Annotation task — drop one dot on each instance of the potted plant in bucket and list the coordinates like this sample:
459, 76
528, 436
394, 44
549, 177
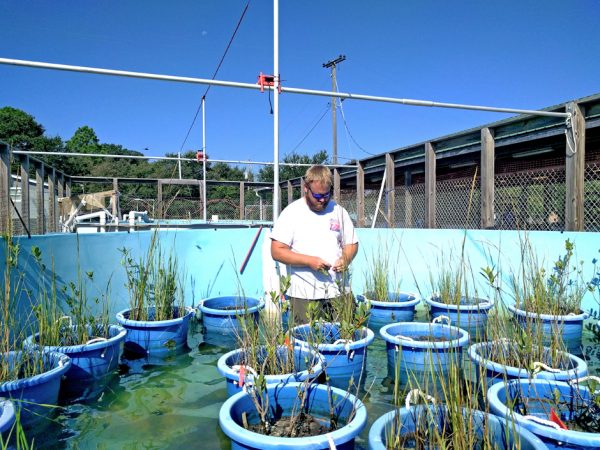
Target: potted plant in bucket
455, 295
343, 340
29, 378
388, 304
547, 303
293, 415
157, 319
449, 416
267, 352
565, 415
67, 324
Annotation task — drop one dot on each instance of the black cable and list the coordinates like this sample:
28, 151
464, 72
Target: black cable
20, 218
215, 73
313, 127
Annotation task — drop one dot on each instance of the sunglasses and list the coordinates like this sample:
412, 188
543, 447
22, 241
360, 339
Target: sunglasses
319, 196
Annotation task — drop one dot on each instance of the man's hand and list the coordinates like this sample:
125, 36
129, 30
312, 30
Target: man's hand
318, 264
340, 265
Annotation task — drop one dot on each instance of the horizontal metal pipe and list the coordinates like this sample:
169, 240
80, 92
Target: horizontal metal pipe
343, 95
169, 158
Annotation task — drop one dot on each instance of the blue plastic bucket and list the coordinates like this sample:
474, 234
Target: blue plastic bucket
570, 328
344, 361
515, 391
156, 337
92, 364
282, 398
220, 315
495, 372
501, 434
471, 315
413, 349
400, 307
35, 397
307, 364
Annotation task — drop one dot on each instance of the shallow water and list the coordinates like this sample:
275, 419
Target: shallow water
174, 403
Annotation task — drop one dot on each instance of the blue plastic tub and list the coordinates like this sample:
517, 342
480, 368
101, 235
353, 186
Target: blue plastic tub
37, 396
345, 362
410, 354
307, 364
92, 365
471, 315
570, 328
500, 434
282, 398
400, 307
220, 315
156, 337
494, 371
571, 399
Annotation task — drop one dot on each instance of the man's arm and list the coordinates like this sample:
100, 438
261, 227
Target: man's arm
349, 251
282, 253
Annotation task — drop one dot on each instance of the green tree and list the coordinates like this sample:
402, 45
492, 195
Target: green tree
291, 172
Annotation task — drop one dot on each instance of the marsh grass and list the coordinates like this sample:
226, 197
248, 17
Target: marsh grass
453, 280
67, 315
16, 438
380, 276
155, 283
12, 331
444, 409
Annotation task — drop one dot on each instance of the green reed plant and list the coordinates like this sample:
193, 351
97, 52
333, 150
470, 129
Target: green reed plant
448, 418
68, 315
155, 283
453, 280
267, 347
380, 277
12, 323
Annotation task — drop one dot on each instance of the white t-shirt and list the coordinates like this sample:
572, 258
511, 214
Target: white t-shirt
321, 234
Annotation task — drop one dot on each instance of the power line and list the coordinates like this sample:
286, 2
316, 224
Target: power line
348, 130
215, 73
312, 129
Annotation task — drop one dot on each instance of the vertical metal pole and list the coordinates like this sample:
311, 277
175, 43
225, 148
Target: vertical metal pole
203, 161
179, 163
276, 110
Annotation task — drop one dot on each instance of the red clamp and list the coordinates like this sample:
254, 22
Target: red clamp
200, 156
267, 80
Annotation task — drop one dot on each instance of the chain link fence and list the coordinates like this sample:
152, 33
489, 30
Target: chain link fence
591, 197
530, 200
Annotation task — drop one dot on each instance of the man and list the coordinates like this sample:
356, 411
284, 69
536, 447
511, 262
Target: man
315, 238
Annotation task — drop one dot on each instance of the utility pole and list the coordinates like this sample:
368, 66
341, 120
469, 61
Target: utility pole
332, 64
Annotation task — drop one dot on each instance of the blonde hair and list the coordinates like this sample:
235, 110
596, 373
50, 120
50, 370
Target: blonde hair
318, 173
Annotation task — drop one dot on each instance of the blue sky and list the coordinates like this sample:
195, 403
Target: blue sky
511, 53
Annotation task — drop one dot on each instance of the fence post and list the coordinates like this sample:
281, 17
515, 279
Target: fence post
116, 207
390, 184
52, 219
360, 194
5, 212
159, 200
290, 192
430, 200
25, 211
574, 169
242, 201
487, 178
40, 200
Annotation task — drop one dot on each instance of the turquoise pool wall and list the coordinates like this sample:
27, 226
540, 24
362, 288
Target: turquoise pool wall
213, 257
